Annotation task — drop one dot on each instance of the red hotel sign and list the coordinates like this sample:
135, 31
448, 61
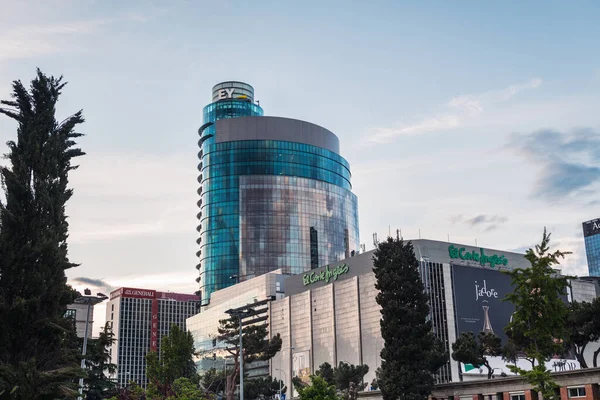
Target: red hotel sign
154, 326
139, 293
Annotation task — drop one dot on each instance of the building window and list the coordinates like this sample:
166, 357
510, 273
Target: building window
517, 396
71, 313
314, 248
575, 392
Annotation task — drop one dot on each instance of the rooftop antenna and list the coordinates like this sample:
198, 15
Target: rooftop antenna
419, 234
475, 242
400, 230
375, 241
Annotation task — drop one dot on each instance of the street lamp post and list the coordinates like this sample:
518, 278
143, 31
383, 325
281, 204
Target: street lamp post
280, 381
241, 313
90, 301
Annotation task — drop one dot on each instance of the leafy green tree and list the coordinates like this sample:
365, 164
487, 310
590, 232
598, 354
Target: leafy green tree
411, 354
131, 392
319, 389
471, 350
584, 327
257, 347
176, 361
184, 389
39, 355
262, 388
98, 385
540, 317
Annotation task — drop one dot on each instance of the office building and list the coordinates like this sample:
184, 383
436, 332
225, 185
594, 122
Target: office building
139, 319
591, 236
275, 193
331, 315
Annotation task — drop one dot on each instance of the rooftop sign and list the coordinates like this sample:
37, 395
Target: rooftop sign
135, 293
480, 257
591, 228
325, 275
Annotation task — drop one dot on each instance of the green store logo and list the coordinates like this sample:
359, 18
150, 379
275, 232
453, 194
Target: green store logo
480, 257
325, 275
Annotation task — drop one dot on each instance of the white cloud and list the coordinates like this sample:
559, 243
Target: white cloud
474, 104
463, 108
119, 195
26, 41
382, 135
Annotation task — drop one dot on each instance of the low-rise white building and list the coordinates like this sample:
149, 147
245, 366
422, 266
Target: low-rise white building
204, 326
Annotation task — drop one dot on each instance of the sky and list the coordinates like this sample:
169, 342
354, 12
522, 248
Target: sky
473, 121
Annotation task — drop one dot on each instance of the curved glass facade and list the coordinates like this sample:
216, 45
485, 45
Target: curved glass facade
268, 204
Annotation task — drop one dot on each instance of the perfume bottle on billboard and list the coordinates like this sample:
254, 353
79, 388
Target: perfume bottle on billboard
487, 324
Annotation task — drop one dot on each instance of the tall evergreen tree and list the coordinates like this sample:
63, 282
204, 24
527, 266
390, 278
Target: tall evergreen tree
539, 323
411, 354
98, 384
38, 356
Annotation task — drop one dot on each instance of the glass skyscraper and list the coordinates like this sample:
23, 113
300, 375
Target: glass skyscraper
274, 193
591, 236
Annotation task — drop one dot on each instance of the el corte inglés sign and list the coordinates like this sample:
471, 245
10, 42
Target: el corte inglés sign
480, 257
325, 275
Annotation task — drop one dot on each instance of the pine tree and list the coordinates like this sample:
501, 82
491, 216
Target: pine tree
584, 328
98, 384
470, 350
38, 353
257, 347
411, 354
538, 326
262, 388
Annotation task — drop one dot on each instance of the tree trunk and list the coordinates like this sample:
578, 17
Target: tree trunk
596, 357
579, 355
231, 381
490, 370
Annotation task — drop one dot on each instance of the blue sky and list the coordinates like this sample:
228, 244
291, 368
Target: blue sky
477, 120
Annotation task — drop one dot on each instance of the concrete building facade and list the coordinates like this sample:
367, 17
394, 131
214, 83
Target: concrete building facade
331, 315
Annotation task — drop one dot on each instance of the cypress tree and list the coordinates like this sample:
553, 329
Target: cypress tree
38, 346
411, 354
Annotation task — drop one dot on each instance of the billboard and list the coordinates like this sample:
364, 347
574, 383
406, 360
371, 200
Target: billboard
479, 300
479, 306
